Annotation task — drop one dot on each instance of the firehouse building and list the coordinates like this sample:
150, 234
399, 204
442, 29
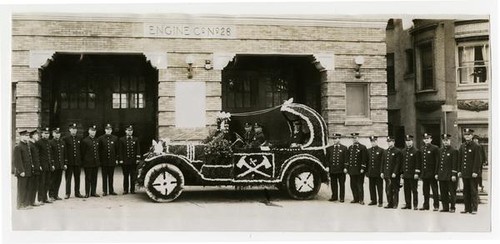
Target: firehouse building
169, 75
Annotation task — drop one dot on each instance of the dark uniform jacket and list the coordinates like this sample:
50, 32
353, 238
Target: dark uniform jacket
374, 161
22, 160
90, 152
337, 156
73, 150
358, 158
392, 162
469, 155
429, 156
35, 155
258, 140
108, 150
129, 150
410, 162
45, 154
248, 137
58, 153
448, 163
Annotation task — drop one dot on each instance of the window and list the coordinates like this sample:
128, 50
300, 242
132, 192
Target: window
276, 91
391, 86
78, 94
128, 92
409, 61
473, 64
426, 67
357, 100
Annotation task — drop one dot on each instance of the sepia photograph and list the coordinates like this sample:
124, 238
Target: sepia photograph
154, 117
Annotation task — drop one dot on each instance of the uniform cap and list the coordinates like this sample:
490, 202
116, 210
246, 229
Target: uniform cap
108, 126
247, 125
426, 135
23, 132
390, 138
336, 135
46, 130
33, 132
408, 137
257, 125
93, 127
445, 136
72, 125
468, 131
57, 130
355, 134
129, 127
373, 138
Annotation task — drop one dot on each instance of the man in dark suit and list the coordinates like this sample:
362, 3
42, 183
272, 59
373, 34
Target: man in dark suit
108, 144
46, 162
22, 167
356, 166
429, 156
391, 171
337, 156
129, 155
297, 134
446, 174
469, 156
410, 177
484, 160
248, 136
59, 162
74, 158
258, 139
373, 172
90, 161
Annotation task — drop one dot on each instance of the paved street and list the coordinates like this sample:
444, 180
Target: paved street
225, 209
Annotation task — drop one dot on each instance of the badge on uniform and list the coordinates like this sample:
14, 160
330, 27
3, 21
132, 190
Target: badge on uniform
470, 150
411, 154
428, 151
133, 142
392, 154
112, 142
447, 154
377, 153
339, 150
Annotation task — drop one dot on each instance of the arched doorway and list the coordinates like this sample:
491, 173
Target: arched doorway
256, 82
119, 89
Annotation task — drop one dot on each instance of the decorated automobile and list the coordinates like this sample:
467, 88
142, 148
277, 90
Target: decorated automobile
297, 168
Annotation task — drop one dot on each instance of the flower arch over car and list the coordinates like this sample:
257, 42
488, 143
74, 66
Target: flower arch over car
299, 171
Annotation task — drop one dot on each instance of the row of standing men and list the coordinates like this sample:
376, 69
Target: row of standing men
39, 163
434, 166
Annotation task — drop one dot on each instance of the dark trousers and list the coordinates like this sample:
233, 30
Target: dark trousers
107, 173
130, 173
72, 171
90, 180
55, 183
33, 188
42, 185
376, 188
448, 193
47, 183
23, 191
429, 184
470, 194
357, 182
337, 186
392, 191
410, 188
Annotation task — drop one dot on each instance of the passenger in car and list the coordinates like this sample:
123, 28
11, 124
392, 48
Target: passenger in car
248, 136
297, 134
258, 139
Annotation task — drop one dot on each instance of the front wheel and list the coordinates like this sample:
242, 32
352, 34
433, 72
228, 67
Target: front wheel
302, 182
164, 182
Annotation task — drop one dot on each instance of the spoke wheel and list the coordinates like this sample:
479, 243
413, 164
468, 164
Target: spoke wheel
164, 182
302, 182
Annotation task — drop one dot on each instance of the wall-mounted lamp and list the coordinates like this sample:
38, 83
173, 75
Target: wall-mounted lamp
189, 62
208, 64
359, 60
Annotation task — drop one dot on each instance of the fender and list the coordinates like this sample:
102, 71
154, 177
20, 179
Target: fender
300, 158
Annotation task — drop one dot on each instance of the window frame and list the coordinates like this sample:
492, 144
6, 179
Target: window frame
487, 65
419, 71
367, 115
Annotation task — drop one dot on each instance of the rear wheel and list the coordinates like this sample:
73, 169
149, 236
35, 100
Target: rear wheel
302, 182
164, 182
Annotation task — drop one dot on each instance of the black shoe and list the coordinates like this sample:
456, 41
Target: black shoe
95, 195
452, 210
104, 194
362, 202
388, 206
67, 196
354, 201
406, 207
435, 209
444, 210
380, 205
86, 196
341, 200
415, 208
372, 203
47, 201
332, 199
423, 209
125, 192
464, 212
132, 192
79, 196
58, 198
113, 193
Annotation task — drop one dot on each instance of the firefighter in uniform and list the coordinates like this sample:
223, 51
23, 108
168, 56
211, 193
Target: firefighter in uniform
469, 156
410, 177
337, 156
59, 159
356, 165
22, 167
391, 171
446, 174
46, 161
373, 172
90, 161
484, 158
297, 134
129, 155
108, 144
429, 156
37, 169
74, 158
248, 136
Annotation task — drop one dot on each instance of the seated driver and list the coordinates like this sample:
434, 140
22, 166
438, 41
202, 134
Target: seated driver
297, 134
258, 139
